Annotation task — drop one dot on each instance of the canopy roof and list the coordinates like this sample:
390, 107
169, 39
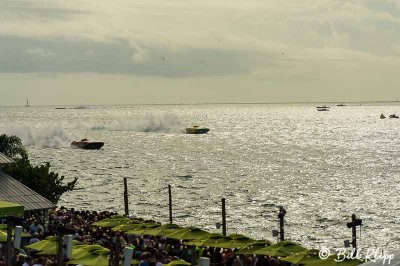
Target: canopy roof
14, 191
4, 159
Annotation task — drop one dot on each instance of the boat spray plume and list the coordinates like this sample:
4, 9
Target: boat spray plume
164, 124
46, 136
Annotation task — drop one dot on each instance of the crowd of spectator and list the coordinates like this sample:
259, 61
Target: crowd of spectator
148, 250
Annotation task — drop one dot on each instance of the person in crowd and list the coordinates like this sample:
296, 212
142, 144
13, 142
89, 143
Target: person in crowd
35, 227
28, 261
34, 239
229, 257
38, 262
14, 258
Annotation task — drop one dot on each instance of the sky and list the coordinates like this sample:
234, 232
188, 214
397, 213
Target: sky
58, 52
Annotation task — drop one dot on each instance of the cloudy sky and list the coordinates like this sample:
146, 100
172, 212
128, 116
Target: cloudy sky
187, 51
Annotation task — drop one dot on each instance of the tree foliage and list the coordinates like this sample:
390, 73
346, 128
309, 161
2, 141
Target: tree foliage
39, 178
11, 146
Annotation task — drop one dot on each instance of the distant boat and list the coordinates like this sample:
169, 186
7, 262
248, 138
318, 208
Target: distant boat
81, 107
197, 130
393, 116
60, 108
341, 104
323, 108
27, 103
383, 116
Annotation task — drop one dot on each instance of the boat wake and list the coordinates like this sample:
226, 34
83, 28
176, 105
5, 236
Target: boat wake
164, 124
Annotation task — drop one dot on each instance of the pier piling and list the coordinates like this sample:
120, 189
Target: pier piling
223, 217
281, 216
126, 201
170, 203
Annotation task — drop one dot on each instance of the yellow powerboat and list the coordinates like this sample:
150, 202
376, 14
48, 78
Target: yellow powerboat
197, 130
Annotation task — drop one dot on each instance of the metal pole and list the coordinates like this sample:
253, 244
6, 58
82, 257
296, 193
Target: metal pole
223, 217
126, 202
281, 216
9, 244
354, 233
170, 203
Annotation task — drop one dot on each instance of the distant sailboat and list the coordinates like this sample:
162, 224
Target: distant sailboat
27, 103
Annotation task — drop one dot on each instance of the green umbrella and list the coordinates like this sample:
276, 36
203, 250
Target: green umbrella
47, 243
96, 255
3, 228
211, 239
331, 262
281, 249
113, 221
77, 250
96, 249
132, 225
178, 263
227, 242
163, 230
91, 259
232, 241
3, 235
250, 249
220, 243
10, 208
240, 240
141, 230
308, 256
188, 233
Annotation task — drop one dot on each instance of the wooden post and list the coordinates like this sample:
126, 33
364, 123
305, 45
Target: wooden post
281, 216
117, 249
353, 225
60, 250
126, 202
170, 203
223, 217
354, 233
193, 261
9, 253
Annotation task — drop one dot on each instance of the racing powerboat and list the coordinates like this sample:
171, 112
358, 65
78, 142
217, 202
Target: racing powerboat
87, 145
197, 130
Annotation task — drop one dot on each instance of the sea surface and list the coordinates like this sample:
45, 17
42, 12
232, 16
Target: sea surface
321, 166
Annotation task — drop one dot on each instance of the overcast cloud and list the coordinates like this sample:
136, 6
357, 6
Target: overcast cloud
154, 51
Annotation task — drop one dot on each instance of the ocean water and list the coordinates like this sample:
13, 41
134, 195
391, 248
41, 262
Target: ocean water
321, 166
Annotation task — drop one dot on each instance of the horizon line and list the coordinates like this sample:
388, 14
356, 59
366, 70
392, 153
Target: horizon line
206, 103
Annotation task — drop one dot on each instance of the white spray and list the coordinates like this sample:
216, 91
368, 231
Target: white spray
47, 136
164, 123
